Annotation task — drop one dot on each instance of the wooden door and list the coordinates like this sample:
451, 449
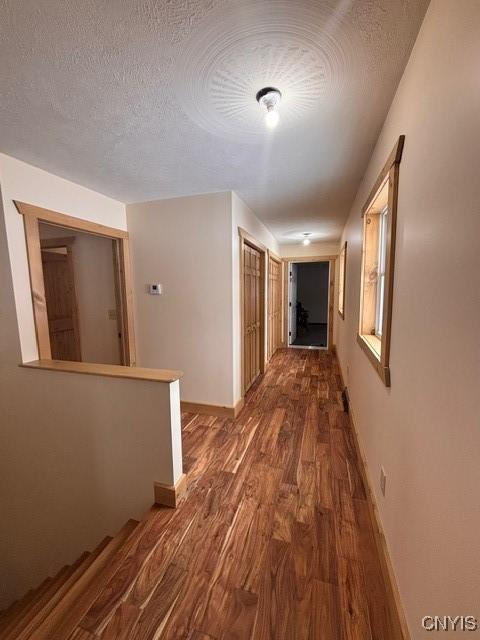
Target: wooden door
61, 302
274, 306
252, 324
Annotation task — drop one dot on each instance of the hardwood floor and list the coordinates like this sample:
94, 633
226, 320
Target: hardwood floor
273, 540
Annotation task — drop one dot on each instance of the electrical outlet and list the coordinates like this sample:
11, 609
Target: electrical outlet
383, 481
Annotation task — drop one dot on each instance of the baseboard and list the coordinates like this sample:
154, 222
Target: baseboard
388, 572
170, 496
212, 409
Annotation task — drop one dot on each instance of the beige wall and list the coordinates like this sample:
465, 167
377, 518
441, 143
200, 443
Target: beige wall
184, 244
425, 429
95, 292
78, 454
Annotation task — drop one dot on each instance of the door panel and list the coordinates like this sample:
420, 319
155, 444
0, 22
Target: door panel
252, 317
274, 306
61, 304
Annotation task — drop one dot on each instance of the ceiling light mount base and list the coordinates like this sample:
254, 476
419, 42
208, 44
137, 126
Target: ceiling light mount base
269, 97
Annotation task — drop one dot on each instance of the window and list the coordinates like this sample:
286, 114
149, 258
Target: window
382, 250
378, 254
342, 280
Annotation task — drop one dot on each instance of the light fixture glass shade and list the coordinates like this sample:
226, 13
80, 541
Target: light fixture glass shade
306, 241
271, 119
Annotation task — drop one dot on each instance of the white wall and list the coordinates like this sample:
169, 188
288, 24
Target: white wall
95, 292
185, 244
242, 216
78, 454
314, 249
425, 430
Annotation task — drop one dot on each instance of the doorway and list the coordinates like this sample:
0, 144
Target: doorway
80, 294
61, 299
310, 298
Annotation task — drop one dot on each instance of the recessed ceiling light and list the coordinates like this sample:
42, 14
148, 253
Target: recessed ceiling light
269, 98
306, 238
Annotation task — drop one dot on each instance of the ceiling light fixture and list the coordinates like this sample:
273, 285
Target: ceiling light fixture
269, 98
306, 238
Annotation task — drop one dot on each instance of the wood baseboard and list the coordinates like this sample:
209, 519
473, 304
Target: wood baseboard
212, 409
388, 571
170, 496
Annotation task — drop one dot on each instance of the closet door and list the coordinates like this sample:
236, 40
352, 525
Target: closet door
251, 315
274, 306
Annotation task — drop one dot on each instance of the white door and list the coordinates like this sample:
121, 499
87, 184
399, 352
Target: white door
292, 325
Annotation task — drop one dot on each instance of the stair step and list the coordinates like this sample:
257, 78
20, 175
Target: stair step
16, 609
63, 618
126, 567
22, 608
61, 585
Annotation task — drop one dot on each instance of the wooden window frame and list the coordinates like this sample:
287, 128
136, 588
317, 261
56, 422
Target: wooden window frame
32, 216
378, 349
342, 280
246, 238
331, 292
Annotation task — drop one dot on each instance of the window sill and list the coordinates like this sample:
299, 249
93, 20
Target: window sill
374, 344
372, 347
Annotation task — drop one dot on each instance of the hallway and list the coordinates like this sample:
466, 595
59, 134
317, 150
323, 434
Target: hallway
274, 538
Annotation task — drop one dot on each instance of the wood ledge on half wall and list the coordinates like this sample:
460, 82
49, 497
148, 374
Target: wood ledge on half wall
108, 370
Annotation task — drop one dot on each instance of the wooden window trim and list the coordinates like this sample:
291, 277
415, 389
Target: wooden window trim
247, 238
390, 174
32, 216
331, 293
342, 257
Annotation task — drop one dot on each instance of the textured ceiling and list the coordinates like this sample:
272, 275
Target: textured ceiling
142, 99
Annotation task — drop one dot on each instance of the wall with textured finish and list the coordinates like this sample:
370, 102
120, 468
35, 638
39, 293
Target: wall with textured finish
424, 430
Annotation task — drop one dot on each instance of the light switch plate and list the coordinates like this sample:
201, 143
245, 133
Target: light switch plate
155, 289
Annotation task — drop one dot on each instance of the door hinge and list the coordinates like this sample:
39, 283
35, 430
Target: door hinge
289, 333
289, 304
